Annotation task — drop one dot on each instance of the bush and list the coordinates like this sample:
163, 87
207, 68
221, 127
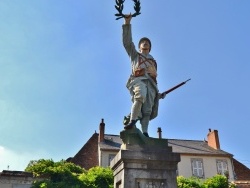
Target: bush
63, 174
98, 177
60, 174
193, 182
218, 181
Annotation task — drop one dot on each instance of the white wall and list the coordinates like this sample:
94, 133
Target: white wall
209, 166
105, 157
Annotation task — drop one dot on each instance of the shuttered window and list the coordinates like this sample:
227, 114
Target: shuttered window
222, 167
197, 168
111, 157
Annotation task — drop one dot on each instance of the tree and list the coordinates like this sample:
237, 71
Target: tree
98, 177
60, 174
63, 174
193, 182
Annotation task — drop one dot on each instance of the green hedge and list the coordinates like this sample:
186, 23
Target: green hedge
218, 181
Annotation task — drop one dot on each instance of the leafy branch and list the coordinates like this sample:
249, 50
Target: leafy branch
119, 8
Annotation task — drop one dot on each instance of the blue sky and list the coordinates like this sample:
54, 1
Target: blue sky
63, 68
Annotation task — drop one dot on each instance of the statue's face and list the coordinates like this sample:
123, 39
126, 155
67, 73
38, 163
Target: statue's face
144, 45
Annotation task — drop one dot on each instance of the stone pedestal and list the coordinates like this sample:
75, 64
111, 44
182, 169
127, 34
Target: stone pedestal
144, 162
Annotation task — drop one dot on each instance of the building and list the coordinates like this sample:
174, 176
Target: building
242, 174
200, 158
203, 158
16, 179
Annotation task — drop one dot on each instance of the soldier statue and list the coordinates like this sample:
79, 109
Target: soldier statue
142, 83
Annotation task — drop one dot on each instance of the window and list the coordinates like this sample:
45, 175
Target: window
222, 167
197, 168
111, 157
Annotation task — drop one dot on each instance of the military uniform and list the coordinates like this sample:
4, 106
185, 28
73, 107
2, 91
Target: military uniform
142, 83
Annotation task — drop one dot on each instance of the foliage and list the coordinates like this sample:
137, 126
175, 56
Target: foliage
193, 182
60, 174
218, 181
232, 185
98, 177
63, 174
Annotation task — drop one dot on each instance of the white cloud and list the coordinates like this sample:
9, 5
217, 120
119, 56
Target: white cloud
18, 161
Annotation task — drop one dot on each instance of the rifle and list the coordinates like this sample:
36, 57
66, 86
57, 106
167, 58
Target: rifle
175, 87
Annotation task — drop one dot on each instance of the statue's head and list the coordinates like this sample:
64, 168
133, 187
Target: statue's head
144, 43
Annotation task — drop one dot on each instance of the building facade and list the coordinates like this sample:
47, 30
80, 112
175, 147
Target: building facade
199, 158
16, 179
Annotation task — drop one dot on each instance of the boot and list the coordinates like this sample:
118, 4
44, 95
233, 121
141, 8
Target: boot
126, 120
130, 125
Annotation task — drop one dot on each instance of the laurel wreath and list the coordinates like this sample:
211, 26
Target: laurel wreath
119, 8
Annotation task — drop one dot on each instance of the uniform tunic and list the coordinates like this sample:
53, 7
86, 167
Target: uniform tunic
142, 82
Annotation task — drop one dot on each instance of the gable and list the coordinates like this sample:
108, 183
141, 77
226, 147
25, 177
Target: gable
87, 156
241, 171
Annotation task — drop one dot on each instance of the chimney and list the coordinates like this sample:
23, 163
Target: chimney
101, 131
213, 139
159, 132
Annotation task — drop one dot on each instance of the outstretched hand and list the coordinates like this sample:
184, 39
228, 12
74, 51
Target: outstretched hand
127, 18
162, 95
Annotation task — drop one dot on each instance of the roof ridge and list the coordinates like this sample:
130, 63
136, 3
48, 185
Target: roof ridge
166, 138
185, 139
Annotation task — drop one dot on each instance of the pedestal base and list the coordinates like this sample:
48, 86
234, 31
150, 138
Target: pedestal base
146, 164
